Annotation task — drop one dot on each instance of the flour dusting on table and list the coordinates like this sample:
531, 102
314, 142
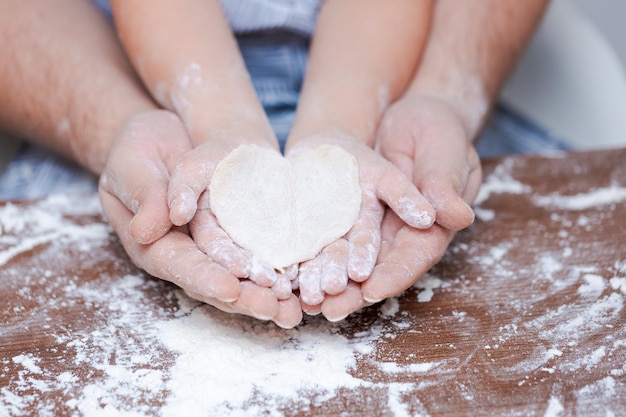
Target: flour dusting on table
551, 326
228, 360
141, 359
594, 198
500, 182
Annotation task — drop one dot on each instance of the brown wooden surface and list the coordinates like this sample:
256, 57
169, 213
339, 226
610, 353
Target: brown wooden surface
526, 315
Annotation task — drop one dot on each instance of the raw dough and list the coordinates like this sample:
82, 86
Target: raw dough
285, 210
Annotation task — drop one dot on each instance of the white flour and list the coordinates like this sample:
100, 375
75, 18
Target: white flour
595, 198
230, 360
427, 284
555, 408
220, 364
500, 182
150, 351
143, 360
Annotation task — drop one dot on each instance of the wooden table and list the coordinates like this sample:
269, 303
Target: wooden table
524, 316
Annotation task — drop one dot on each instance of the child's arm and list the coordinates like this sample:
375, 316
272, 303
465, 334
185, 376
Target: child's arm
188, 59
362, 57
187, 56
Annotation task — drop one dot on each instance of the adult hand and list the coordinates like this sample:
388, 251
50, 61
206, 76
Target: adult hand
426, 139
355, 256
133, 191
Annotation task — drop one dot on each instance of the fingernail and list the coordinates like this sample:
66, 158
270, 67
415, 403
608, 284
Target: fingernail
312, 299
184, 204
372, 297
420, 219
372, 300
262, 273
336, 319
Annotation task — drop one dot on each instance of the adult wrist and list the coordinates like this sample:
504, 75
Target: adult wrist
464, 93
91, 132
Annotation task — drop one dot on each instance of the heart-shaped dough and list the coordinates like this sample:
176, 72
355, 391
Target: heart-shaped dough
285, 210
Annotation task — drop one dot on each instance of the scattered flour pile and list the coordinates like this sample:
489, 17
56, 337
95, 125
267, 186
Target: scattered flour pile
202, 362
144, 360
224, 361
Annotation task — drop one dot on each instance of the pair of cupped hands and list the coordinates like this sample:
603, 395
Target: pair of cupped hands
416, 186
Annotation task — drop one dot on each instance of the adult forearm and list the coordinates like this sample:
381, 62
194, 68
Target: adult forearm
472, 47
64, 81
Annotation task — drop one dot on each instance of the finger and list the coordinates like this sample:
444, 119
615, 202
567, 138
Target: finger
445, 179
253, 301
151, 222
145, 199
390, 226
289, 313
227, 307
474, 180
310, 281
138, 175
311, 310
452, 211
213, 240
364, 239
338, 307
442, 165
282, 287
291, 273
262, 273
175, 257
412, 253
191, 178
334, 261
403, 197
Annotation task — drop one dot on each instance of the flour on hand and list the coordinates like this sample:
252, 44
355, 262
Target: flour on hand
285, 210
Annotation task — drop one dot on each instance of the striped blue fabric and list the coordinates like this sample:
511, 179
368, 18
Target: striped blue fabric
36, 172
246, 16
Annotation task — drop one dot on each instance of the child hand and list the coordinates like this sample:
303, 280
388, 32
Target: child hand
355, 257
216, 243
188, 201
